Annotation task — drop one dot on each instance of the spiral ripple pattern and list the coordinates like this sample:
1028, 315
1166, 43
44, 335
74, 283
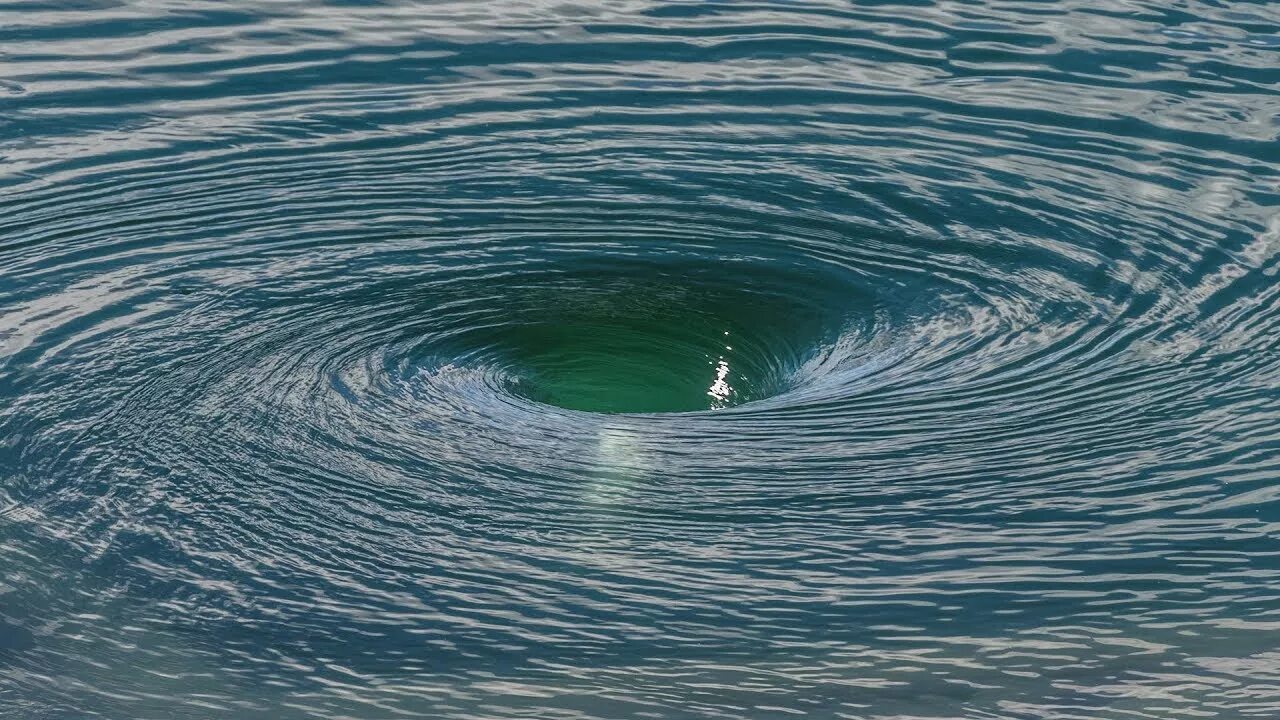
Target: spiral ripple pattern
639, 359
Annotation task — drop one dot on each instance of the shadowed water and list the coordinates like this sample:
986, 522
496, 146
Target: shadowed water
866, 360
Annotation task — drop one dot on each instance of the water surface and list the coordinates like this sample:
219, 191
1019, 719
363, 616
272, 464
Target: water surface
638, 359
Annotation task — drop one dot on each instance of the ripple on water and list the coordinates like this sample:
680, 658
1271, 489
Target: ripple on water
638, 359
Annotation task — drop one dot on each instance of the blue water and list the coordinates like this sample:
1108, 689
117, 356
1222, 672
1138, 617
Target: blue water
639, 359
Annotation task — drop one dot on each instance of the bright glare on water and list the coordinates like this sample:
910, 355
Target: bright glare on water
899, 359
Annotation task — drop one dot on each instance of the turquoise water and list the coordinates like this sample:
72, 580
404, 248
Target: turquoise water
371, 360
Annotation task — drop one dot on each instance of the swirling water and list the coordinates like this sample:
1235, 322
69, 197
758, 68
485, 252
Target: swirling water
639, 359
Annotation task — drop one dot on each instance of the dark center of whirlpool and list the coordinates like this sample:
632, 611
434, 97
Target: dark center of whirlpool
654, 338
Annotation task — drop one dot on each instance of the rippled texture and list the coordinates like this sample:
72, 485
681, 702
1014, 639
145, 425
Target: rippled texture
369, 360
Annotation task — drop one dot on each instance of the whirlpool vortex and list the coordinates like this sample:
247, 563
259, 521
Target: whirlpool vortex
639, 359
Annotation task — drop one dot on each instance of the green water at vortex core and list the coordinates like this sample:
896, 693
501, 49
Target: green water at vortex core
624, 368
640, 338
